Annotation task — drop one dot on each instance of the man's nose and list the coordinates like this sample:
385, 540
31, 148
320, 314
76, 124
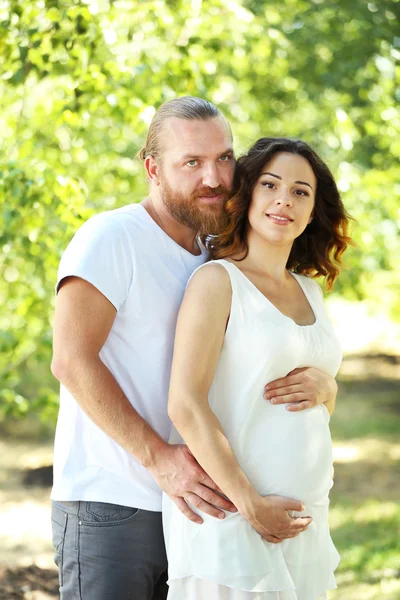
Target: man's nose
211, 175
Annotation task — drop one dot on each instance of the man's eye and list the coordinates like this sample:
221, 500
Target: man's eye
225, 158
191, 163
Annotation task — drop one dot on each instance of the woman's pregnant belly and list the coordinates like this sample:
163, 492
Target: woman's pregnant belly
289, 454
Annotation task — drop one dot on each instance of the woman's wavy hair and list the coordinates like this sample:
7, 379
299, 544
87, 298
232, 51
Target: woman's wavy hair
318, 250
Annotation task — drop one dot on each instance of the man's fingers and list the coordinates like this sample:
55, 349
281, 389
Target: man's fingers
298, 370
298, 396
278, 383
206, 488
282, 382
206, 480
283, 391
200, 504
183, 507
199, 472
211, 497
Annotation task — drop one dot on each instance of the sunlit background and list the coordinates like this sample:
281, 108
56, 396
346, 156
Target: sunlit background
79, 83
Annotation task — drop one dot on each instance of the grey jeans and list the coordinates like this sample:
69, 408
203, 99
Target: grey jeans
108, 552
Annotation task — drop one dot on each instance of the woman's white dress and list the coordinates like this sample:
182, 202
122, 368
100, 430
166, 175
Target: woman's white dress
284, 453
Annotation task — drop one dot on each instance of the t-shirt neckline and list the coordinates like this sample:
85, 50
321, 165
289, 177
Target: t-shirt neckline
203, 251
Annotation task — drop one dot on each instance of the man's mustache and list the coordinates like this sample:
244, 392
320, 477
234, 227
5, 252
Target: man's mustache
209, 192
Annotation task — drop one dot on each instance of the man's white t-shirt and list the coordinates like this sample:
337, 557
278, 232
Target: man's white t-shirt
143, 273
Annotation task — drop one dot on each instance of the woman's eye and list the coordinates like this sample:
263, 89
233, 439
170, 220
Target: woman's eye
302, 193
268, 184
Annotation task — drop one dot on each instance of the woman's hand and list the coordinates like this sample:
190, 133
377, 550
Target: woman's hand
303, 388
269, 516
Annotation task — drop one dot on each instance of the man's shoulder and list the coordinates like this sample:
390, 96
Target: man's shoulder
104, 252
128, 214
113, 223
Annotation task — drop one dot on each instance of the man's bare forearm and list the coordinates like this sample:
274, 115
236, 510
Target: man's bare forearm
98, 394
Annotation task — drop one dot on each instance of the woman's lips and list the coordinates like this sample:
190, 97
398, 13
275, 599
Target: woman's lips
280, 219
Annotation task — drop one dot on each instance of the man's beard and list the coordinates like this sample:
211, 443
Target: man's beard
189, 211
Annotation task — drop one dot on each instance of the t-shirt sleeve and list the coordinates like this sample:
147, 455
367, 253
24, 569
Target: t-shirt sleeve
101, 254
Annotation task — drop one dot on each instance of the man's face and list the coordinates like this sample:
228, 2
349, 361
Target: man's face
196, 171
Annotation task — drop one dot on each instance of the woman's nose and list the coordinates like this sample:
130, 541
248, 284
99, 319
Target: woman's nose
284, 198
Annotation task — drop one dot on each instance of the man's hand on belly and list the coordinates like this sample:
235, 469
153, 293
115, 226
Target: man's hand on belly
303, 388
269, 516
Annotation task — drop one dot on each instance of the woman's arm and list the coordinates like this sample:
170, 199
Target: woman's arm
199, 338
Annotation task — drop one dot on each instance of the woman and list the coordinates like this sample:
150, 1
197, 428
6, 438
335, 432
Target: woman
254, 314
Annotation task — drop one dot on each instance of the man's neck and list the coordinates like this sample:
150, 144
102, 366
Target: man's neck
182, 235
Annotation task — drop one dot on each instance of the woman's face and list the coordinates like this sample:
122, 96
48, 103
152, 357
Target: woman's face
283, 199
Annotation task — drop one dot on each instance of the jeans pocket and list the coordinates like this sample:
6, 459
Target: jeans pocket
99, 514
59, 520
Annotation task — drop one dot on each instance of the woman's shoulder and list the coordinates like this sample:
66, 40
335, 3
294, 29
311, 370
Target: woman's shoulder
209, 290
214, 273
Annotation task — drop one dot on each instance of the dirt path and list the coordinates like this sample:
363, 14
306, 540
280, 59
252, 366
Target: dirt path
27, 571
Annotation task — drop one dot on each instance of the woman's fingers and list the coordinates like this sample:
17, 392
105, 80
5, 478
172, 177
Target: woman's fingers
299, 406
272, 539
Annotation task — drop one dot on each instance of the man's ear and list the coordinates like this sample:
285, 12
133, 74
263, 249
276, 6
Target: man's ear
152, 169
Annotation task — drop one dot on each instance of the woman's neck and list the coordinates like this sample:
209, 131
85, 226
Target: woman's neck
265, 258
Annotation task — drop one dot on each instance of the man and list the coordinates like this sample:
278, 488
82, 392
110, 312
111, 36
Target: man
120, 285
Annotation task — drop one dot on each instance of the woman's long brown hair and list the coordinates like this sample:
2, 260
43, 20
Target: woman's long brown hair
318, 250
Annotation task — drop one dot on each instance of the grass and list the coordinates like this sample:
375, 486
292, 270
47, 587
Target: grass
365, 510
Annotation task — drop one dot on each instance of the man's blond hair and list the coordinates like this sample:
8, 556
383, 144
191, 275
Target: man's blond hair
186, 107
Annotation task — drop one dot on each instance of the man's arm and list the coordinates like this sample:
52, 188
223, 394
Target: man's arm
303, 388
198, 342
83, 320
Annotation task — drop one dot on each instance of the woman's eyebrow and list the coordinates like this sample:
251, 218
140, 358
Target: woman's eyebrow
304, 183
278, 177
273, 174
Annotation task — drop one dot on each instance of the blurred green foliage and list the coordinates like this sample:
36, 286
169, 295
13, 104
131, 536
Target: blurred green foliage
79, 83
